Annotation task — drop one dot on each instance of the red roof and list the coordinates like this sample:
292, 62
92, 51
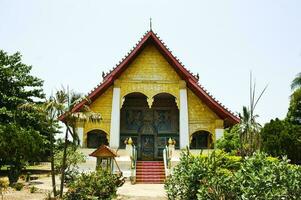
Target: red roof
191, 80
103, 152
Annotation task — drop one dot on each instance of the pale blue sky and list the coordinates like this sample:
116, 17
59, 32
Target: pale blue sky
72, 42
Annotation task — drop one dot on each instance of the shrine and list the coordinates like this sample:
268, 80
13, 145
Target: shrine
151, 97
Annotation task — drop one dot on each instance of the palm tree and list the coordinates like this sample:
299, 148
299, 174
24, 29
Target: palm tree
70, 119
249, 127
296, 83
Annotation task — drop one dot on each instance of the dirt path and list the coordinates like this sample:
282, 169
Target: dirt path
126, 192
24, 194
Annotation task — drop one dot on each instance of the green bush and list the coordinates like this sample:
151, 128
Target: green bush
230, 141
220, 176
18, 186
3, 187
184, 183
33, 189
98, 185
74, 157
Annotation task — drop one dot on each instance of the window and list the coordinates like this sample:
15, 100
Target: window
200, 140
96, 138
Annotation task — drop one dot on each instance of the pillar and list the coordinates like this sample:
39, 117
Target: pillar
80, 134
115, 118
184, 130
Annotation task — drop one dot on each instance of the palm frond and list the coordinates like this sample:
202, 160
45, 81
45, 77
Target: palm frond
262, 92
296, 83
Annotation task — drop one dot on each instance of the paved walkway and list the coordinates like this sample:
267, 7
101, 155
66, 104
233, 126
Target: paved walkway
141, 192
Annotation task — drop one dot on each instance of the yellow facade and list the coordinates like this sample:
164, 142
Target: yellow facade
151, 74
102, 105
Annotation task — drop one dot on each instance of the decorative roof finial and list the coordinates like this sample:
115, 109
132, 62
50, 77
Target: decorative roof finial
150, 24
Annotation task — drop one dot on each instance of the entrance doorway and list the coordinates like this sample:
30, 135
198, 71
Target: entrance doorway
149, 127
147, 147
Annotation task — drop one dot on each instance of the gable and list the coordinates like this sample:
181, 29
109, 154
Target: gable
150, 65
136, 73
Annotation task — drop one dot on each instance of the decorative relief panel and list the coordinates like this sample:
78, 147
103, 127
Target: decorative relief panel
150, 74
149, 89
150, 65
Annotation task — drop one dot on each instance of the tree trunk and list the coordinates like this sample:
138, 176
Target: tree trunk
64, 163
52, 165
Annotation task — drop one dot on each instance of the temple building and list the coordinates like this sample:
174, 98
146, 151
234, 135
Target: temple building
151, 97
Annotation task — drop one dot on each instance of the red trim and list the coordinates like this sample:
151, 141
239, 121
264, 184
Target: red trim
191, 81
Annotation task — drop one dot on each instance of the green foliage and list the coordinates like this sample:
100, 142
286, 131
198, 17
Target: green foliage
220, 176
97, 185
296, 83
17, 87
74, 157
230, 141
184, 183
280, 137
294, 110
18, 186
17, 146
3, 187
33, 189
21, 131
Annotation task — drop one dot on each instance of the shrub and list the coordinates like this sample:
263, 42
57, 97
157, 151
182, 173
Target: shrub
230, 141
18, 186
281, 137
184, 183
3, 186
33, 189
13, 174
220, 176
74, 157
100, 185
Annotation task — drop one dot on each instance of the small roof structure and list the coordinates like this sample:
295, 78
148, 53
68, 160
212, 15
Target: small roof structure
103, 152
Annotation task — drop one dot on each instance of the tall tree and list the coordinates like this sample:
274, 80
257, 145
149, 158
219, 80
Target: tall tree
51, 108
280, 137
17, 87
70, 99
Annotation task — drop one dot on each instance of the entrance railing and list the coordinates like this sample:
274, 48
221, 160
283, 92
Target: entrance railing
166, 160
133, 164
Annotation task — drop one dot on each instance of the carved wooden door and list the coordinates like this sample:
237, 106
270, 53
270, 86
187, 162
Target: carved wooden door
147, 147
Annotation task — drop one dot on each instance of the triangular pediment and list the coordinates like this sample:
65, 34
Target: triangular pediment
150, 43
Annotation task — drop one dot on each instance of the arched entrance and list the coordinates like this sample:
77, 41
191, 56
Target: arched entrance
96, 138
201, 140
149, 127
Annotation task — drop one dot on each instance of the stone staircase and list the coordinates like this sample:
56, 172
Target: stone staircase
150, 172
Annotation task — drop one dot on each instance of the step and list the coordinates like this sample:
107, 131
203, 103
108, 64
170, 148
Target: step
151, 176
150, 172
154, 181
150, 162
149, 167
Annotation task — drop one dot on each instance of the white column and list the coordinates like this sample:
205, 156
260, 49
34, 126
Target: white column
184, 133
219, 133
115, 119
80, 133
